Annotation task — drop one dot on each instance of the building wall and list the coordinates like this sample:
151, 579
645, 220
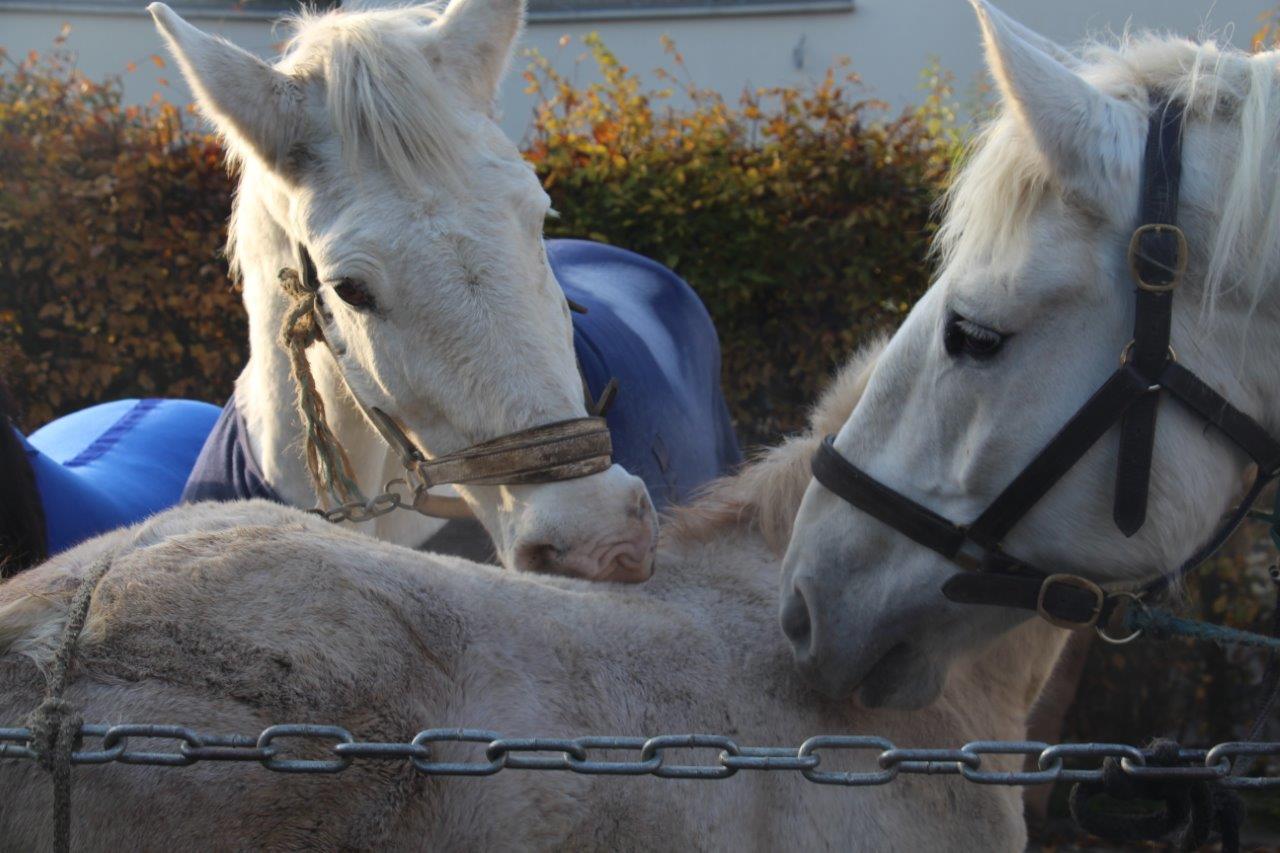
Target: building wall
889, 41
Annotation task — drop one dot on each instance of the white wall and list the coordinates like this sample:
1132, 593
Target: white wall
889, 41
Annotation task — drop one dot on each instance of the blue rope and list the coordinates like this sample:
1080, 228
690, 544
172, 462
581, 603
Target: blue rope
1162, 623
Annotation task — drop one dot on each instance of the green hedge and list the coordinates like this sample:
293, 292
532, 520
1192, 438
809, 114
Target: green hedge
112, 221
800, 216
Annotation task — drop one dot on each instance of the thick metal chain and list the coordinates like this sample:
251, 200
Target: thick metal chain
590, 755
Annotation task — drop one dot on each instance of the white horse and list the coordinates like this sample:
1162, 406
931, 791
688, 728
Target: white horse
1031, 310
372, 144
231, 617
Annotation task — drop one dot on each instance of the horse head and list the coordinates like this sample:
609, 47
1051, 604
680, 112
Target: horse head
1031, 312
370, 158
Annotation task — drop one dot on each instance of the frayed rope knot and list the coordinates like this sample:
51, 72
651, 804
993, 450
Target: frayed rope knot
55, 724
327, 461
1187, 811
55, 733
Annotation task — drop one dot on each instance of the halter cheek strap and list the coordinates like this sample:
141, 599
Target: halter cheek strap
1157, 261
1157, 258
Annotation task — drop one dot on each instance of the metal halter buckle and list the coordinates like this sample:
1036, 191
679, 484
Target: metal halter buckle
1078, 582
1180, 263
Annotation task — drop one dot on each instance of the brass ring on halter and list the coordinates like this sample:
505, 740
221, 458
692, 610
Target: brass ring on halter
1128, 351
1135, 601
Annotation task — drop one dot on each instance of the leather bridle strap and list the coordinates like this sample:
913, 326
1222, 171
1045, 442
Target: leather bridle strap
1157, 259
913, 520
1246, 433
995, 577
927, 528
544, 454
1121, 391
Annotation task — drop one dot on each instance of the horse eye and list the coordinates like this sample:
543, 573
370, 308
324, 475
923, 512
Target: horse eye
354, 293
965, 337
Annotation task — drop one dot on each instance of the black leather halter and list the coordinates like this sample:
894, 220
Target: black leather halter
1157, 258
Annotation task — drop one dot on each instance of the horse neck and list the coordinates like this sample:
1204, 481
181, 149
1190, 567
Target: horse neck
730, 578
1004, 679
266, 392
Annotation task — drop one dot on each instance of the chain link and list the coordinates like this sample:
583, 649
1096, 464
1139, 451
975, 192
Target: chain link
378, 505
276, 748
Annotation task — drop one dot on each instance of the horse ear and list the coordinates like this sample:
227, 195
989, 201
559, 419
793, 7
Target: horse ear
255, 106
1046, 45
1091, 140
476, 39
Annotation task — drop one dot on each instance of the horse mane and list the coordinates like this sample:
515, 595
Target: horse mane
1005, 178
765, 494
382, 90
23, 536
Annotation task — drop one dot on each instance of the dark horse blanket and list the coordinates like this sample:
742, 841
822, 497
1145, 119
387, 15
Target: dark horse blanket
644, 325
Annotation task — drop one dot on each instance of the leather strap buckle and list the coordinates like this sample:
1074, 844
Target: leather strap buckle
1076, 582
1137, 254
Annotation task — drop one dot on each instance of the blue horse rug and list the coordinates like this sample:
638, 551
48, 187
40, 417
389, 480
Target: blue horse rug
644, 325
110, 465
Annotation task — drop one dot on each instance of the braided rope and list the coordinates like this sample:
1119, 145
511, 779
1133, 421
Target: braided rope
327, 461
55, 724
1161, 623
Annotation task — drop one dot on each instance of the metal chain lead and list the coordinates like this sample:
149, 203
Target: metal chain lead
380, 504
599, 755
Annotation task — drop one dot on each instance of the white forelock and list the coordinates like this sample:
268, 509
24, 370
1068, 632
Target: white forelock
1005, 178
382, 91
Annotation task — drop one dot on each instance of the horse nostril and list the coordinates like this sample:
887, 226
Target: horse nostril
796, 623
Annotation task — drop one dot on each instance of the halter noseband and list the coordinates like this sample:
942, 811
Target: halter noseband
563, 450
1157, 258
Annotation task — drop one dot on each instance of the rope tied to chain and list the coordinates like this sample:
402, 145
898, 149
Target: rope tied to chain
327, 461
1190, 809
55, 724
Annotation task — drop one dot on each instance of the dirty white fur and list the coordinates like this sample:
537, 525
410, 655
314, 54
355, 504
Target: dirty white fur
1033, 247
372, 142
230, 618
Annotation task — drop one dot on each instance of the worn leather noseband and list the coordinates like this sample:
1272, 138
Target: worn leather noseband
1157, 259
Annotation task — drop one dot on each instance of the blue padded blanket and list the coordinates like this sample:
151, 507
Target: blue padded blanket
115, 463
644, 325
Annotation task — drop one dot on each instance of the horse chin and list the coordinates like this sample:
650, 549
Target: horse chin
905, 679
